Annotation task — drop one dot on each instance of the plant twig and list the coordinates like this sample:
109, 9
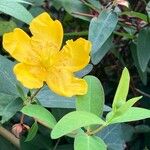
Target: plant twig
143, 93
22, 119
34, 94
10, 137
82, 33
56, 144
82, 14
96, 130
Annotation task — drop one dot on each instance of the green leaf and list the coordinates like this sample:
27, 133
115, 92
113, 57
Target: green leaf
112, 135
122, 109
32, 132
101, 28
133, 114
93, 101
15, 10
122, 90
41, 141
73, 7
135, 14
95, 3
73, 121
127, 105
142, 128
143, 75
11, 109
6, 26
47, 98
41, 114
98, 56
86, 142
143, 48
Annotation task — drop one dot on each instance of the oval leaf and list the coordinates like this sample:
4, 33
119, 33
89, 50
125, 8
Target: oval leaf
73, 121
98, 56
41, 114
15, 10
133, 114
143, 48
93, 101
122, 89
85, 142
32, 132
101, 28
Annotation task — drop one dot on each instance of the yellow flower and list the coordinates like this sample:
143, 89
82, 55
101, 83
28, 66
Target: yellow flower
41, 59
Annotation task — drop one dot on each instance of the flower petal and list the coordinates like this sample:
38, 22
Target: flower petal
30, 76
45, 30
63, 82
18, 44
75, 54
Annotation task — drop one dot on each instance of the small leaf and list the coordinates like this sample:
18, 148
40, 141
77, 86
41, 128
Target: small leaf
143, 48
15, 10
135, 14
122, 109
101, 28
41, 114
93, 101
122, 90
85, 142
127, 105
32, 132
73, 121
133, 114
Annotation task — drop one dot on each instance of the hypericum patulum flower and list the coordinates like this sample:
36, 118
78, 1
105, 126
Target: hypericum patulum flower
41, 59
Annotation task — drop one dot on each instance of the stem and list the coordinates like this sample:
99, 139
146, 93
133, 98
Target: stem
10, 137
56, 144
83, 14
82, 33
22, 118
97, 130
34, 94
143, 93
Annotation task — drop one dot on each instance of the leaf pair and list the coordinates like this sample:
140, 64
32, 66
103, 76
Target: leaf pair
122, 110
